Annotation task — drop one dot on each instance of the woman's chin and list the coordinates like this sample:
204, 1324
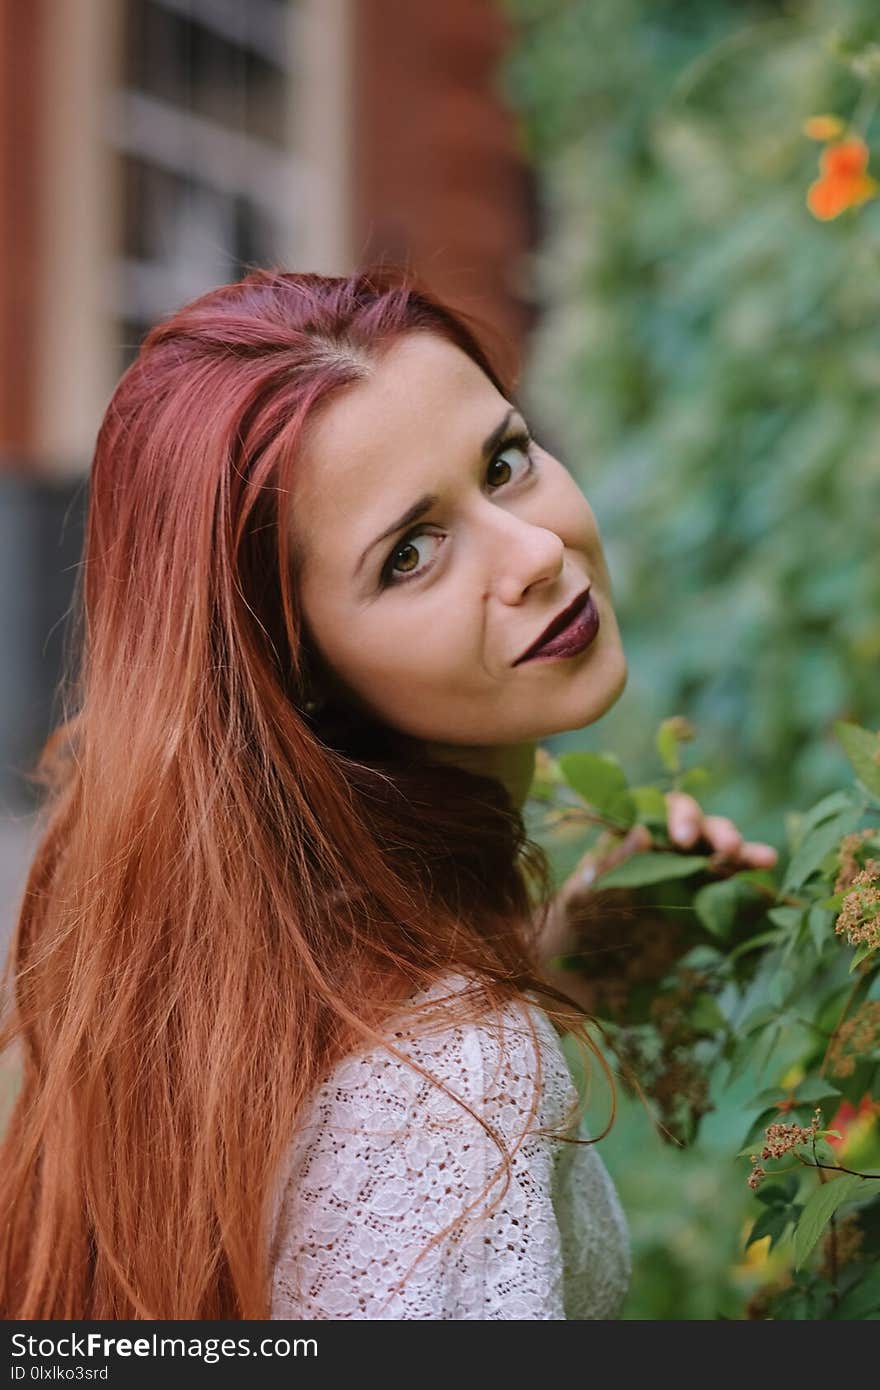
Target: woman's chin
602, 693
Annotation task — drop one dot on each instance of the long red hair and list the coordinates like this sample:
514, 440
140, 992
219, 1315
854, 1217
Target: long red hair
229, 893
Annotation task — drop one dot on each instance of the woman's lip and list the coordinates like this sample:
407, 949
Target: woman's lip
556, 626
572, 639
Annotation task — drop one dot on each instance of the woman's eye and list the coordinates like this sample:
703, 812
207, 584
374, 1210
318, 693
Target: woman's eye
518, 444
406, 548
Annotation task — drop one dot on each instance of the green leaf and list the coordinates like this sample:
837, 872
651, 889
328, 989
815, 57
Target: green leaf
791, 920
813, 1089
819, 922
862, 748
693, 779
861, 953
758, 1018
816, 845
823, 810
820, 1208
598, 778
652, 867
769, 1042
774, 1194
793, 946
706, 1017
779, 987
621, 807
717, 904
832, 904
761, 878
771, 1096
772, 1223
757, 1128
739, 1058
788, 917
667, 745
650, 804
862, 1300
805, 1098
754, 943
805, 1301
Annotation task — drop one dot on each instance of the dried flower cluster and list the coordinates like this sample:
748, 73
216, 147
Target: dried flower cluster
670, 1008
859, 918
849, 863
855, 1038
682, 1092
668, 1071
680, 1084
620, 948
780, 1139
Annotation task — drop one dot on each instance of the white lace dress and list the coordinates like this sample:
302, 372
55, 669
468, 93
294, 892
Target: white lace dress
385, 1160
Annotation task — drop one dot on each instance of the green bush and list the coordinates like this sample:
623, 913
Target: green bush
728, 992
709, 360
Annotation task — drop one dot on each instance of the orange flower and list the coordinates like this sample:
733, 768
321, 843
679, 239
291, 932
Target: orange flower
844, 182
823, 127
845, 159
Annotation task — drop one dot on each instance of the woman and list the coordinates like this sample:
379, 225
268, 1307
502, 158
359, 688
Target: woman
287, 1034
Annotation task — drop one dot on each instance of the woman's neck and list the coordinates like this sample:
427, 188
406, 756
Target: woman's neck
511, 764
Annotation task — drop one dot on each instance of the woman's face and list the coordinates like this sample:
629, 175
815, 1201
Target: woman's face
420, 624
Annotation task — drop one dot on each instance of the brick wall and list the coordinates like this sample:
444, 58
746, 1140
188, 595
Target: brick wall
437, 175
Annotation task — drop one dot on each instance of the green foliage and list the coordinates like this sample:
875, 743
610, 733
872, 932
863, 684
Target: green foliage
642, 869
707, 362
863, 750
601, 782
708, 975
780, 1211
822, 1205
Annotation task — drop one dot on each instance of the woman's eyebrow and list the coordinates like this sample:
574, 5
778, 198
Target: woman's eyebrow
430, 499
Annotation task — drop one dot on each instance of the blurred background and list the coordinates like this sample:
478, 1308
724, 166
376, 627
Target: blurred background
618, 187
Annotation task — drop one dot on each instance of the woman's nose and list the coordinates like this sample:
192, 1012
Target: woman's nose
529, 555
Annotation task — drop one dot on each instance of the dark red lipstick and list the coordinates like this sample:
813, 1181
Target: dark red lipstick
568, 633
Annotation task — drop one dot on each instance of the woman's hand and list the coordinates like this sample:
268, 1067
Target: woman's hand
687, 828
687, 825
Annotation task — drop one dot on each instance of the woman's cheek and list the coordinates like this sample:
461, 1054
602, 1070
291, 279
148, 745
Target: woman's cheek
577, 523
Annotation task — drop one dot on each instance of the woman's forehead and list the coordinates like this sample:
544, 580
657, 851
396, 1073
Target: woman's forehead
425, 405
421, 384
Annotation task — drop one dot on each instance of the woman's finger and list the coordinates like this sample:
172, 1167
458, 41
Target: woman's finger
684, 818
636, 841
758, 855
722, 834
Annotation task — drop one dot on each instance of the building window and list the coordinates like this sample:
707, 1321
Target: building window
201, 124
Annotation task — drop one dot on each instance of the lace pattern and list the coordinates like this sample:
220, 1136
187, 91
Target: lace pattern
385, 1161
